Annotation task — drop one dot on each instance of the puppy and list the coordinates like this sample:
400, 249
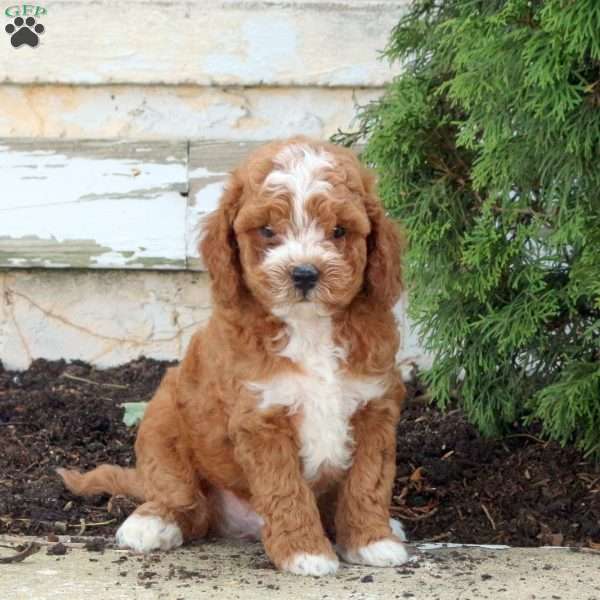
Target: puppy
280, 421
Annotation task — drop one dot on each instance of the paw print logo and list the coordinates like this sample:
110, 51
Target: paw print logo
24, 32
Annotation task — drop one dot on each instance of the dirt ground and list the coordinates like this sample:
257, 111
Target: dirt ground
451, 486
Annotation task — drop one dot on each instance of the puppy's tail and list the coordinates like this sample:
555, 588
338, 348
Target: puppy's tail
105, 479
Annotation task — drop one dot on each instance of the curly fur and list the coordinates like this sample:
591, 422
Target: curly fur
281, 418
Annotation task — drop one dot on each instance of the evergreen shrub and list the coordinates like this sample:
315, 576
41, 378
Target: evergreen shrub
487, 148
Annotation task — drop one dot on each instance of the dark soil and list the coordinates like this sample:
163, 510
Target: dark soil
50, 416
452, 485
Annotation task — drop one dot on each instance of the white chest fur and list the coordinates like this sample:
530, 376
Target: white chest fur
324, 396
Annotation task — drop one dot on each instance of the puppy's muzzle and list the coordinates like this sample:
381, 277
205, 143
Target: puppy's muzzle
305, 277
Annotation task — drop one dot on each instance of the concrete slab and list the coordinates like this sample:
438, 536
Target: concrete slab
64, 313
105, 318
159, 112
332, 43
228, 570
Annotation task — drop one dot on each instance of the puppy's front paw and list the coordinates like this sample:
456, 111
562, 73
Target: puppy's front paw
316, 565
384, 553
144, 533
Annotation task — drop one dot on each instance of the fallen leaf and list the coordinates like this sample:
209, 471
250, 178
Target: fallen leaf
134, 411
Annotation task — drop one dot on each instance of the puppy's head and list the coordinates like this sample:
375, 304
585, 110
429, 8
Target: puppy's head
299, 226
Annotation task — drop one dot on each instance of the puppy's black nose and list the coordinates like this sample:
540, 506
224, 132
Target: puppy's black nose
305, 277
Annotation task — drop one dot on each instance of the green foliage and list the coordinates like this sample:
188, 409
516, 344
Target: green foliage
488, 150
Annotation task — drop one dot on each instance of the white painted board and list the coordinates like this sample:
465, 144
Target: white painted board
209, 43
109, 204
93, 204
210, 165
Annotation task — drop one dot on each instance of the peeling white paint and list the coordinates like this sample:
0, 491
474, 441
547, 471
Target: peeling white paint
105, 209
144, 227
129, 210
204, 172
78, 179
206, 199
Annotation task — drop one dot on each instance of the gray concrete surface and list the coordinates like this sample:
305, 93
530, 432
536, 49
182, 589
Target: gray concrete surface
240, 570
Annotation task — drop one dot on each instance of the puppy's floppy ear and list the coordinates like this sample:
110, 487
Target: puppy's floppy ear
383, 274
219, 247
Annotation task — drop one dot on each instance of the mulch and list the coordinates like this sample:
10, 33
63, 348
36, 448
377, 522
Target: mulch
452, 485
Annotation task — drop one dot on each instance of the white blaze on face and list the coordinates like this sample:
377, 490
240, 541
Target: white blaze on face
299, 172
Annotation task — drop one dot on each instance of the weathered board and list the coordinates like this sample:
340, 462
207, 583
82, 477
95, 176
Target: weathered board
210, 164
93, 204
209, 43
100, 204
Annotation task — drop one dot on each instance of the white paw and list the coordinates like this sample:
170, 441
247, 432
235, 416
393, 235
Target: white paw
144, 533
384, 553
398, 529
316, 565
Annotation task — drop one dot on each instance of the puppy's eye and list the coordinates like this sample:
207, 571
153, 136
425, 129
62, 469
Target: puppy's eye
339, 232
266, 232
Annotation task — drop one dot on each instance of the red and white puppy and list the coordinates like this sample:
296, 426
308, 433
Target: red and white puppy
280, 421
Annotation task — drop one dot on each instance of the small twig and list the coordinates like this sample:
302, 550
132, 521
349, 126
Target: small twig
398, 511
62, 539
526, 435
84, 380
487, 514
84, 525
588, 479
51, 524
30, 549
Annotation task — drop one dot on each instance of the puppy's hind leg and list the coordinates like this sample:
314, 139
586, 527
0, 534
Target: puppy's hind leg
175, 508
154, 526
